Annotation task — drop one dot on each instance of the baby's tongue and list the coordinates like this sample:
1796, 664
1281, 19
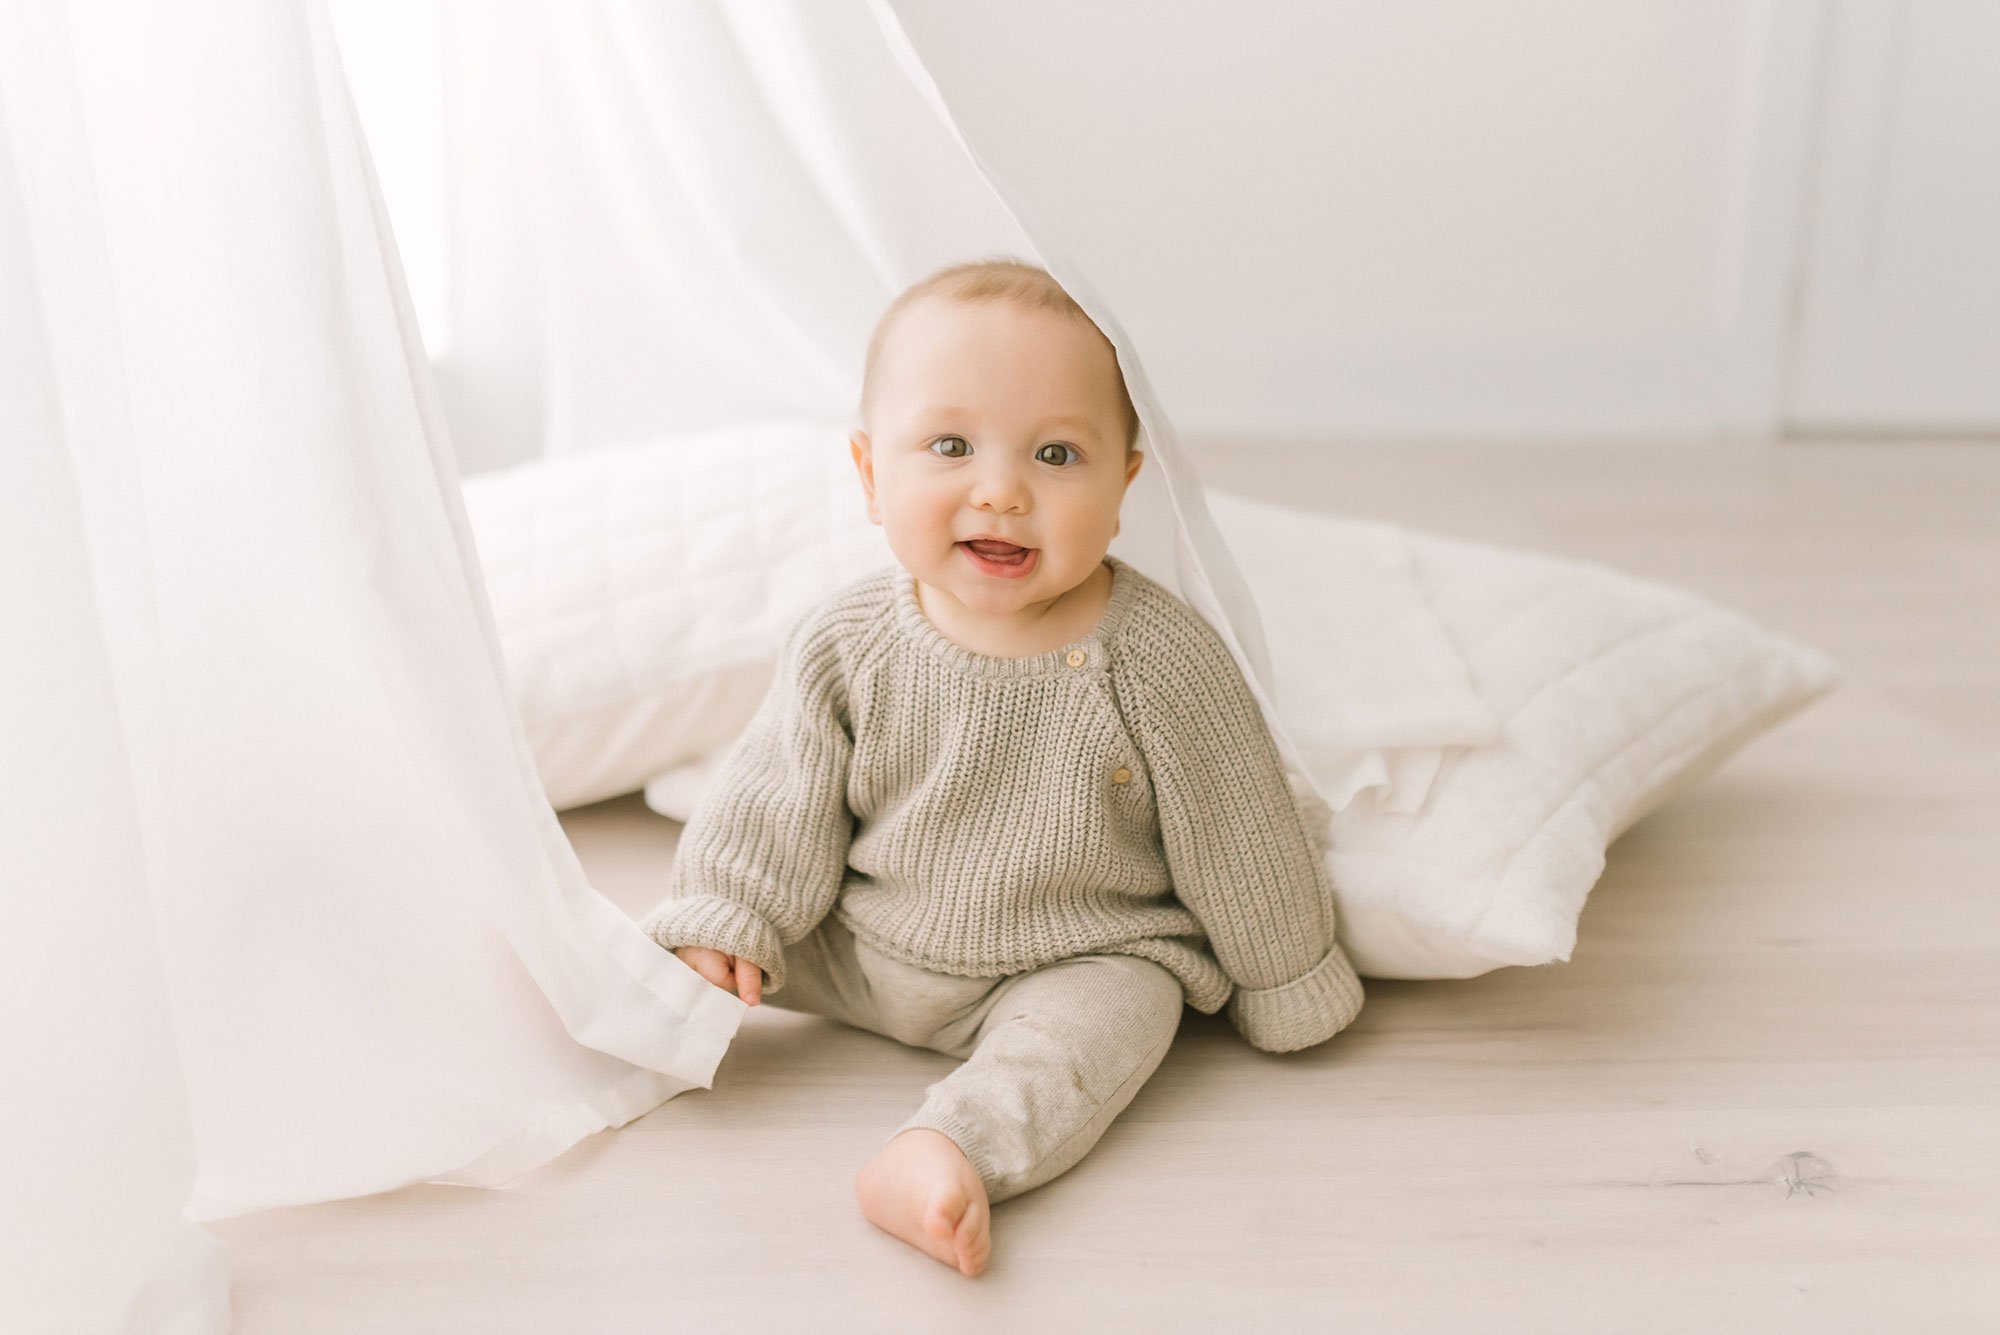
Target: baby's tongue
986, 547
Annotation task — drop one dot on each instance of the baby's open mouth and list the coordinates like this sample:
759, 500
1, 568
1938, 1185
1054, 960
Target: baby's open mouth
1000, 553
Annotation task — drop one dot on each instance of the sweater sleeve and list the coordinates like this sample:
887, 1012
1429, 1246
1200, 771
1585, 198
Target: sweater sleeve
764, 853
1238, 846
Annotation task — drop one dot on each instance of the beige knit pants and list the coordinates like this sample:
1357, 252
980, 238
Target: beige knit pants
1051, 1056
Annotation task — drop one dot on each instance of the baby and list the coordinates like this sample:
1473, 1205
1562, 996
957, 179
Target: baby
1008, 799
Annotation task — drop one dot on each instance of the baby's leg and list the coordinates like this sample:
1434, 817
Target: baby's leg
1060, 1051
1053, 1055
922, 1189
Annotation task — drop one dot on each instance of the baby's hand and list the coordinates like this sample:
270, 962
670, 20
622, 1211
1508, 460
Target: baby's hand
731, 973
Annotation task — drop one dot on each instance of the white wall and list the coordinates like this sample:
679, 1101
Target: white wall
1899, 316
1370, 220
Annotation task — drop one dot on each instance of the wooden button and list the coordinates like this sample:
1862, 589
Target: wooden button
1121, 775
1076, 657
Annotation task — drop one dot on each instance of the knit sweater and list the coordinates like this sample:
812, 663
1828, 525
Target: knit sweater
981, 815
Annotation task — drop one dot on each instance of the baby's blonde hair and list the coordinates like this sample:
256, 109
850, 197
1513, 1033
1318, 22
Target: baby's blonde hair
1003, 278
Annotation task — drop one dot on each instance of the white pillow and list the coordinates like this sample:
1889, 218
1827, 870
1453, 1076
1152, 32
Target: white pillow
1612, 694
641, 595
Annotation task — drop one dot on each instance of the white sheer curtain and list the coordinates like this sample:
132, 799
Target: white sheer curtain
285, 915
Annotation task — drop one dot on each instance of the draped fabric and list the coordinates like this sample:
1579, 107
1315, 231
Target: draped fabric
286, 916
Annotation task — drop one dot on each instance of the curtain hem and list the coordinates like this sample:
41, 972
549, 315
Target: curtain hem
559, 1129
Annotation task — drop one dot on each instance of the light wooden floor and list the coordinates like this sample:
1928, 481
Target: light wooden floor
1763, 1096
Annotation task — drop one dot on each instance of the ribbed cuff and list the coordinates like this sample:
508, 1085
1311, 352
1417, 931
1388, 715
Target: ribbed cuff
720, 924
936, 1117
1310, 1009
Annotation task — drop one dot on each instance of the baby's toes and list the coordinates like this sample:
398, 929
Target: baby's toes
972, 1242
941, 1218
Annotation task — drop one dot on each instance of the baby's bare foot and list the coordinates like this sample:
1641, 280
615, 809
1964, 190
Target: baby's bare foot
921, 1188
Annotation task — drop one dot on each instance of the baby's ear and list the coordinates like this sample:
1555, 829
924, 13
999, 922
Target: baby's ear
864, 463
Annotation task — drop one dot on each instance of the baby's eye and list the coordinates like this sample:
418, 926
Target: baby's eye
1054, 445
944, 439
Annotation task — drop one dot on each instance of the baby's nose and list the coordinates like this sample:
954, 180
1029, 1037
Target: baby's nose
1001, 487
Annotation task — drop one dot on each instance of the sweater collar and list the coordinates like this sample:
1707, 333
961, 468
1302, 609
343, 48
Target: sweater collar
1093, 647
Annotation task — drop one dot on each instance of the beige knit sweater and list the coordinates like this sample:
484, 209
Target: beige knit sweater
979, 815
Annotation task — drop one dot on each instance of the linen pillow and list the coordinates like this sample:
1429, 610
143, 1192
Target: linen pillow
1612, 694
641, 595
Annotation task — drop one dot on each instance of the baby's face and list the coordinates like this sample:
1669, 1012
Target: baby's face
990, 420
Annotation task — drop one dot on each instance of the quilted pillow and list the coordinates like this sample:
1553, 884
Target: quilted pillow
620, 673
1600, 695
1612, 694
